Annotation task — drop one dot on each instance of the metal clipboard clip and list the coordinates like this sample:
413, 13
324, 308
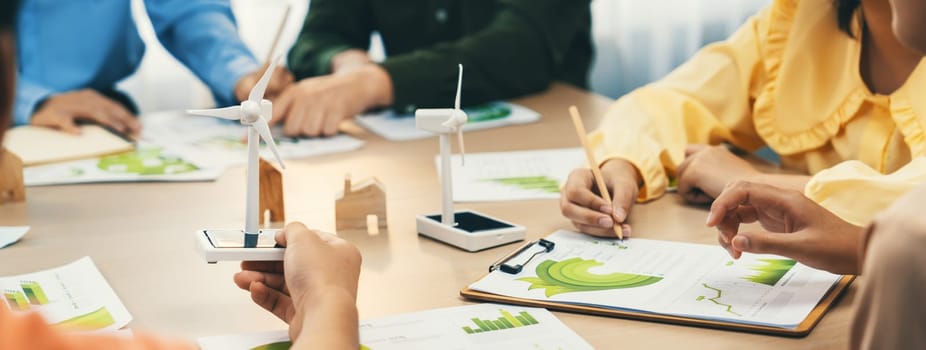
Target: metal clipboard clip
507, 266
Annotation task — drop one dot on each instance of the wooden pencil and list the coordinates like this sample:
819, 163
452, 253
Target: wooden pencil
599, 180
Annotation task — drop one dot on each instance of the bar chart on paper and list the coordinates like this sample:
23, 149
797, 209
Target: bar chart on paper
73, 297
508, 176
481, 326
506, 321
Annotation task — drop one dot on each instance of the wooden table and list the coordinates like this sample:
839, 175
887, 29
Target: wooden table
141, 238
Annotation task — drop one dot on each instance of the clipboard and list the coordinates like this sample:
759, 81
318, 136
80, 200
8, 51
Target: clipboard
802, 329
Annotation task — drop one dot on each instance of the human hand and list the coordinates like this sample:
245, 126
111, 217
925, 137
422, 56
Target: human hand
795, 227
706, 170
319, 272
63, 111
349, 59
280, 79
581, 202
316, 106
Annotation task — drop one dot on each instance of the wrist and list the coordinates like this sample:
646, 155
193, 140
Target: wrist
376, 85
335, 297
349, 59
321, 306
622, 169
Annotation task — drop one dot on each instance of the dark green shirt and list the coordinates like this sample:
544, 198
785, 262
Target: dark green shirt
508, 48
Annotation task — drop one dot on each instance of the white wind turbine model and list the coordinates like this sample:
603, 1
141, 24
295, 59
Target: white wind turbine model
465, 229
253, 244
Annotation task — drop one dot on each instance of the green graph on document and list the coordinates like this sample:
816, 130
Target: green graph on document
541, 183
769, 271
716, 299
573, 275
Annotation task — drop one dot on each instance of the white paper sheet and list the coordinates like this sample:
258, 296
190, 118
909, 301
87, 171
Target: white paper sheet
149, 163
509, 176
692, 280
212, 142
401, 127
481, 326
11, 234
74, 296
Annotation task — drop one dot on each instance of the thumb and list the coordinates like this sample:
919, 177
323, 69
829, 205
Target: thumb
622, 199
765, 243
67, 125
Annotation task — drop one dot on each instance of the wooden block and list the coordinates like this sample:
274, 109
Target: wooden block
12, 187
271, 192
357, 201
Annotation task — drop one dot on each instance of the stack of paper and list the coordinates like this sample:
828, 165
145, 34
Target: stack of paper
213, 142
39, 145
401, 127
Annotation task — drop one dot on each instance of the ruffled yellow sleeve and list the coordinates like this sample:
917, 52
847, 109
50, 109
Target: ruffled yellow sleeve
706, 100
857, 193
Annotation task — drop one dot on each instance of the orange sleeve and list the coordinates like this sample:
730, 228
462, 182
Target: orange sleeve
30, 331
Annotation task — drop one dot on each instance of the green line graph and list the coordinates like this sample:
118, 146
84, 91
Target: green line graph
770, 271
572, 275
34, 292
716, 299
16, 300
541, 183
506, 321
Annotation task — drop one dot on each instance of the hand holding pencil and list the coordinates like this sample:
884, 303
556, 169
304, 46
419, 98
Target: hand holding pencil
598, 201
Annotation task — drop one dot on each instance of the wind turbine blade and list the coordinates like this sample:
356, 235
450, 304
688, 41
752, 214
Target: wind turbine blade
231, 113
462, 148
456, 104
257, 93
261, 126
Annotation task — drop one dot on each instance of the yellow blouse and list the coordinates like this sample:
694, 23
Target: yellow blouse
788, 79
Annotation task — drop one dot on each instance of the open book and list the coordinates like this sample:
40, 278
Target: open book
666, 281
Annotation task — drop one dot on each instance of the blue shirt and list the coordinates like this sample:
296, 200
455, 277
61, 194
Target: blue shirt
75, 44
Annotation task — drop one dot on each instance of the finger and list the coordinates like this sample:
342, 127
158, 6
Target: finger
120, 115
263, 266
694, 148
729, 226
281, 107
767, 243
294, 118
312, 125
725, 244
768, 198
331, 123
623, 194
578, 190
100, 109
594, 230
66, 124
602, 232
294, 234
273, 280
587, 216
272, 300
